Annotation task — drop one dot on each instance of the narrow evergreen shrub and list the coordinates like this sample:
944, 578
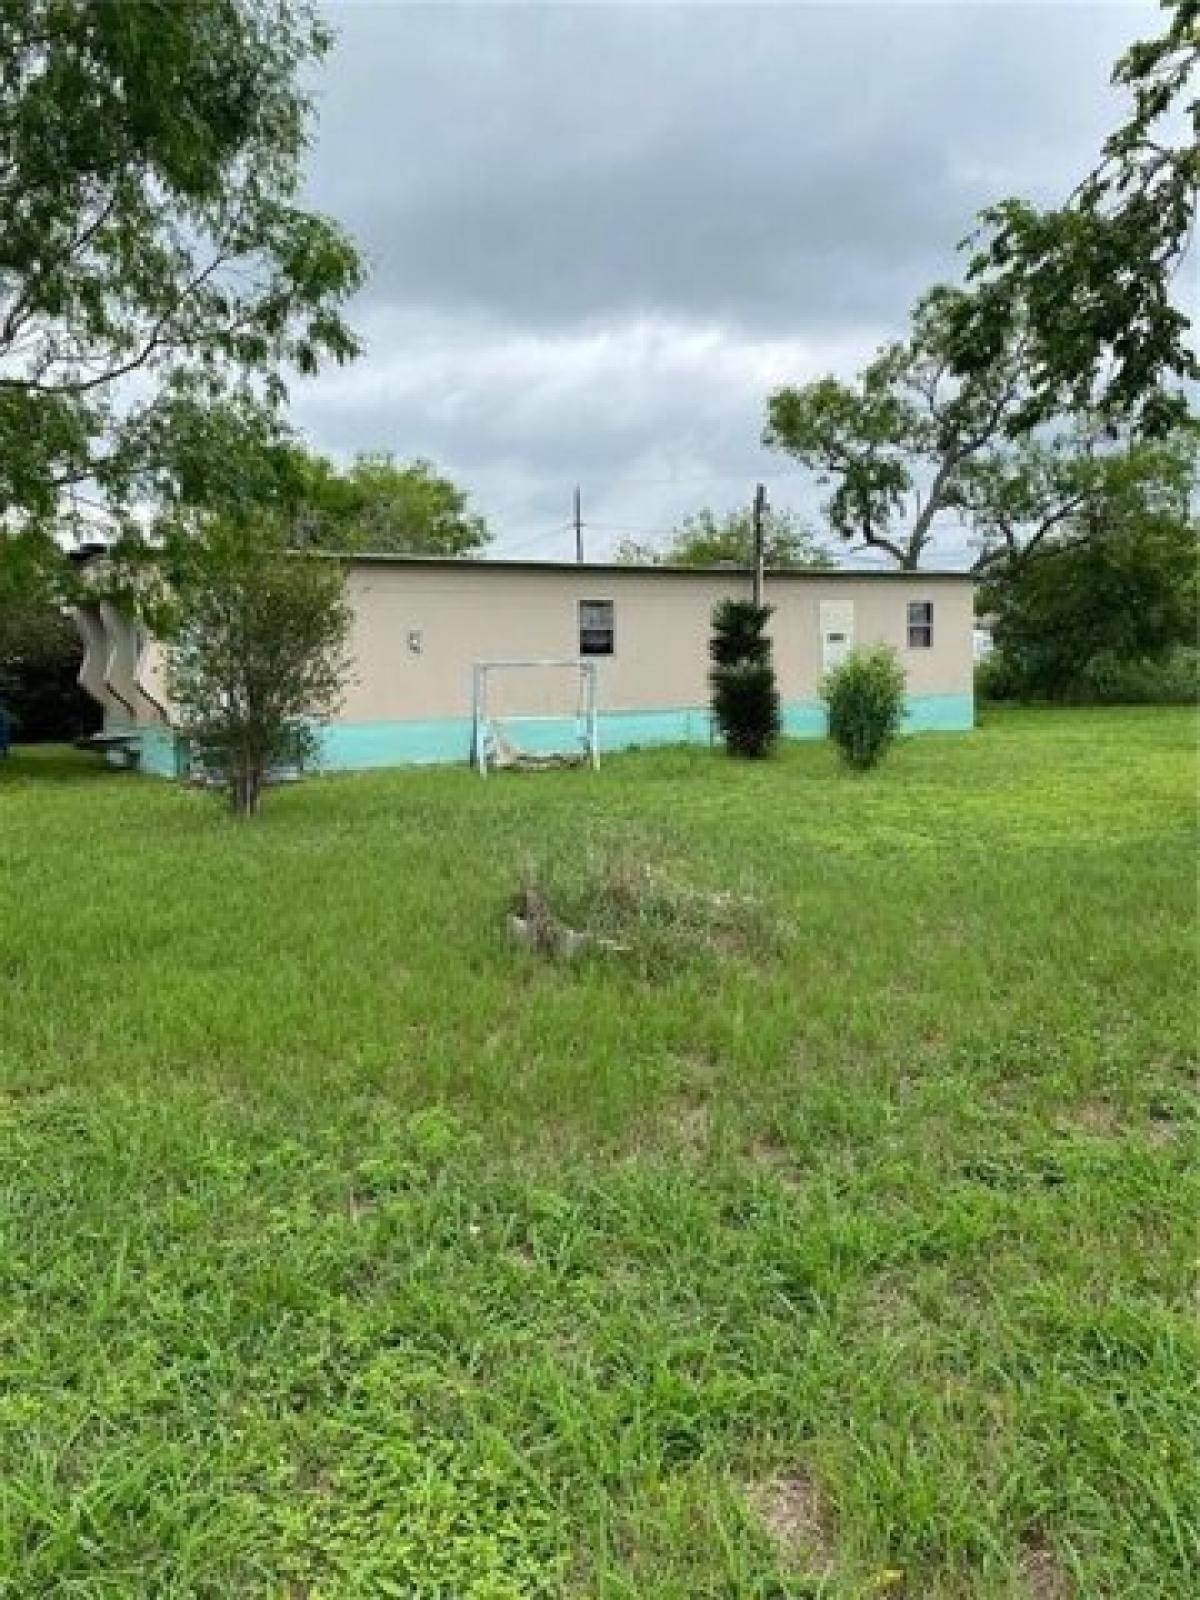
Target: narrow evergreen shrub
745, 699
865, 698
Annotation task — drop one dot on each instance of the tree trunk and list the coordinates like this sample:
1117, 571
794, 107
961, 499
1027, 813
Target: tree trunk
245, 789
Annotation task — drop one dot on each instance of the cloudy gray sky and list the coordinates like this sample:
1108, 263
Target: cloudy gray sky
599, 235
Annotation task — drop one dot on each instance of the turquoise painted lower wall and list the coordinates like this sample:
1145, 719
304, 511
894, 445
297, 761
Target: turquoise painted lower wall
361, 746
940, 713
349, 747
161, 753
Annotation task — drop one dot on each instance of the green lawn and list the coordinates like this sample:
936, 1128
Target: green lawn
350, 1252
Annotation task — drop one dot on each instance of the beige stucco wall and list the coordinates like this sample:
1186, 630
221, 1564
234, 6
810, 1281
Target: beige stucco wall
463, 614
152, 674
460, 614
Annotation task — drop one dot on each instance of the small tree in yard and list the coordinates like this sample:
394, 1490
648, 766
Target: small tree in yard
745, 700
258, 652
865, 697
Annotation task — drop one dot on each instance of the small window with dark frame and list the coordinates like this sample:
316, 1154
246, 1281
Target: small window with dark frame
920, 624
597, 636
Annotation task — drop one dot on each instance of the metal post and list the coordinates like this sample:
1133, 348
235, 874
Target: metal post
593, 719
477, 698
760, 505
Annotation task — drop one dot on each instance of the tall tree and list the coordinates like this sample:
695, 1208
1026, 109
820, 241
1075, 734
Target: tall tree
153, 254
1088, 285
379, 503
912, 446
709, 539
1125, 594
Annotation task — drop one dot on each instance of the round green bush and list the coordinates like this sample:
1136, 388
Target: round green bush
865, 700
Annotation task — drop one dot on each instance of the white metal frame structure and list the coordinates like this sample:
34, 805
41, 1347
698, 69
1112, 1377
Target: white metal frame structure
488, 743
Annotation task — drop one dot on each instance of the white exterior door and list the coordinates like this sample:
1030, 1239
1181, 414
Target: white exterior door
837, 632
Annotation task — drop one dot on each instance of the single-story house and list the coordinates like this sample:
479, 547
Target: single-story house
421, 625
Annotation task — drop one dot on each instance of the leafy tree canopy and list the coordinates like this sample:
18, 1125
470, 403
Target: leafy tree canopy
1087, 287
912, 447
710, 539
153, 256
1128, 593
381, 504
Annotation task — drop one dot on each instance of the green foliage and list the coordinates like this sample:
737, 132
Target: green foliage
865, 699
154, 253
711, 539
34, 571
1169, 678
40, 656
1091, 619
995, 680
257, 654
745, 699
910, 443
379, 504
324, 1274
1088, 285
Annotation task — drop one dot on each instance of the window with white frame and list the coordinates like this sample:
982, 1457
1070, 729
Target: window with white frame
597, 628
920, 624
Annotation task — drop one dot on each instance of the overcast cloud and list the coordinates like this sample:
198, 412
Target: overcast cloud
599, 235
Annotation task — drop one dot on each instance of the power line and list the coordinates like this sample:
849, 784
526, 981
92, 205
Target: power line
611, 485
539, 538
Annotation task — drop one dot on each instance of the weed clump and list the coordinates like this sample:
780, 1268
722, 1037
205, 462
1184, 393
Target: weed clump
619, 904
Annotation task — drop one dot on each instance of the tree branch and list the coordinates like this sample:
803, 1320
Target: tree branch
1019, 555
153, 340
14, 321
878, 541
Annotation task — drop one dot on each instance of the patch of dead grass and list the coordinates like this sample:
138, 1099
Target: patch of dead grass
797, 1516
1042, 1574
1097, 1117
691, 1125
1100, 1119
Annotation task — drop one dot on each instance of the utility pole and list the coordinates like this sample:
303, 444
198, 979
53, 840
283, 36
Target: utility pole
760, 505
578, 526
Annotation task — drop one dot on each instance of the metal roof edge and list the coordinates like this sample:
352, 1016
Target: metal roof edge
478, 564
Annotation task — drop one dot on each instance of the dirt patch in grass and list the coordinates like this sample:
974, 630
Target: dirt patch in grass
691, 1126
1162, 1134
1043, 1576
1096, 1117
1101, 1120
886, 1301
796, 1515
772, 1155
